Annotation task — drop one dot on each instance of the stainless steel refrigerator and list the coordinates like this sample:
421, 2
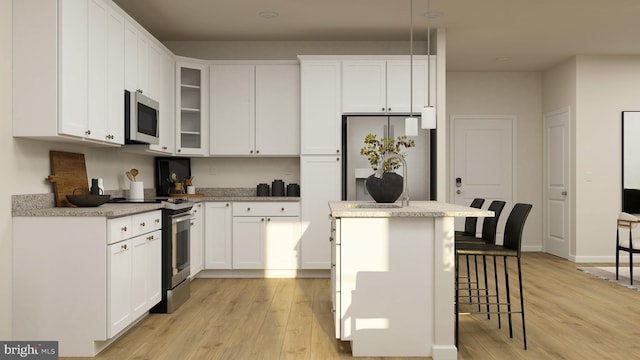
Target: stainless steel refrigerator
356, 168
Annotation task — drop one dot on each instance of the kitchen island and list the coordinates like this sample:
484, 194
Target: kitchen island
392, 277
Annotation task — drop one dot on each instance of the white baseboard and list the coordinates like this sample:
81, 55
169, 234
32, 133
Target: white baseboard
288, 274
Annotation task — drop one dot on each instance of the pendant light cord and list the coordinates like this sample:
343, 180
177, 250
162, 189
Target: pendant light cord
410, 58
429, 53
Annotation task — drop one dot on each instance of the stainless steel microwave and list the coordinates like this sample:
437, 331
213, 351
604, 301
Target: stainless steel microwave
141, 119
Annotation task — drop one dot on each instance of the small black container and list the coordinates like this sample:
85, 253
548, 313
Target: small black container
263, 190
293, 190
277, 188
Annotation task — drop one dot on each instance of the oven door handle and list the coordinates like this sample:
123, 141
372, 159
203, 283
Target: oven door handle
181, 218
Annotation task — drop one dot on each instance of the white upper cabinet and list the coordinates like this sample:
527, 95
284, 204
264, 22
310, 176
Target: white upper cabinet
255, 110
232, 109
192, 112
364, 86
320, 107
64, 81
383, 86
277, 110
150, 67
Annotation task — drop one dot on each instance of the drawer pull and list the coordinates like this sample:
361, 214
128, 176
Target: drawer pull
281, 209
124, 247
143, 224
124, 228
330, 238
248, 209
157, 221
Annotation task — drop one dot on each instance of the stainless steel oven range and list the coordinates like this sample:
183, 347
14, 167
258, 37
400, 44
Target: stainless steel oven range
176, 224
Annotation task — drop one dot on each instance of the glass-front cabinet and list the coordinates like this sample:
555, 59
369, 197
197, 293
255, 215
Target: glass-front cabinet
192, 115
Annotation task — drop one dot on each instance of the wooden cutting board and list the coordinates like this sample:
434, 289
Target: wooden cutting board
68, 173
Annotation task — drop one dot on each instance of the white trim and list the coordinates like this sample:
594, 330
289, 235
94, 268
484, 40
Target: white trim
545, 224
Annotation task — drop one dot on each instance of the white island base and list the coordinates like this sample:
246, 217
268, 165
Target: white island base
393, 280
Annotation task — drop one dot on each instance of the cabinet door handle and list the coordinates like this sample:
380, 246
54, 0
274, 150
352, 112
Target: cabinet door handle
124, 247
337, 151
257, 151
227, 205
262, 219
382, 109
157, 221
388, 109
179, 150
268, 219
337, 159
250, 151
143, 224
281, 209
330, 238
88, 132
124, 228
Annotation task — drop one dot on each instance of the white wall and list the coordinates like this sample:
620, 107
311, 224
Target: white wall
9, 162
509, 93
606, 86
243, 172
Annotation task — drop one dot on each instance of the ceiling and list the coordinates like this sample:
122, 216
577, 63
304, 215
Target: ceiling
525, 35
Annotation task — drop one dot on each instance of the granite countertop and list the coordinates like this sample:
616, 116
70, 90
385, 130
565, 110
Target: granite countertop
44, 204
369, 209
247, 198
107, 210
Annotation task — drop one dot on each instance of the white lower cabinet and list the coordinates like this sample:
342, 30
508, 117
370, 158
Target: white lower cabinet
266, 235
252, 235
133, 268
119, 286
335, 275
196, 247
248, 242
217, 236
320, 176
109, 265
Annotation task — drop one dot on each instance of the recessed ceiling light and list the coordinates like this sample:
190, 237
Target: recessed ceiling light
433, 14
503, 58
268, 14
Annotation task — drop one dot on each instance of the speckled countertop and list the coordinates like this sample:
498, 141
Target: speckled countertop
366, 209
44, 204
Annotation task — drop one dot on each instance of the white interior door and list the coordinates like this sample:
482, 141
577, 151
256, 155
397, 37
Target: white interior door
557, 174
483, 149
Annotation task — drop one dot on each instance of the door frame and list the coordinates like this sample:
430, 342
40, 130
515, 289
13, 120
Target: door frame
514, 147
545, 223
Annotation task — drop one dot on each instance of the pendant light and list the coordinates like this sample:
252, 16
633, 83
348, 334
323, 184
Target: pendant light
411, 123
428, 112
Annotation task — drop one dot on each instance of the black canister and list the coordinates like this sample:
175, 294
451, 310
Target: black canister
263, 189
277, 188
293, 190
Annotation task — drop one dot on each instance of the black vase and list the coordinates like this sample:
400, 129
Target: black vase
385, 190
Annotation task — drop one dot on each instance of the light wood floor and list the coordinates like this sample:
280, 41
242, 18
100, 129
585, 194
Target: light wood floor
569, 315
